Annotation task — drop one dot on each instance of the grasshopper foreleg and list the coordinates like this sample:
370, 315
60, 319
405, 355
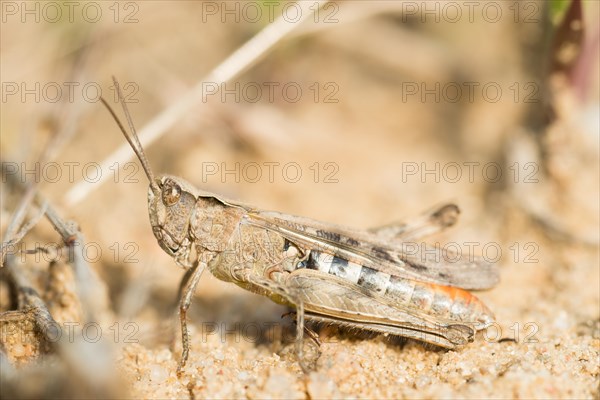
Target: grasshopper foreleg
187, 288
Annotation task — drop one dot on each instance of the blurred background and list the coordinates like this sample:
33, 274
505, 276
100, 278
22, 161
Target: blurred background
364, 114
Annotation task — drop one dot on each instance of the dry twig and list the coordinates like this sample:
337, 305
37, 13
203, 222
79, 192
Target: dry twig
239, 61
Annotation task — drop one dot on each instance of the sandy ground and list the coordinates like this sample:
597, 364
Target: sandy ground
357, 157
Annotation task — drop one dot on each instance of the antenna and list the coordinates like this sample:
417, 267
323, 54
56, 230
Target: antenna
131, 137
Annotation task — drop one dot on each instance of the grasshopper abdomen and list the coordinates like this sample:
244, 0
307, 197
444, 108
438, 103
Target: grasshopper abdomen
444, 302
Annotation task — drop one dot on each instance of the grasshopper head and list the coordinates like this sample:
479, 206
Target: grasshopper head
171, 204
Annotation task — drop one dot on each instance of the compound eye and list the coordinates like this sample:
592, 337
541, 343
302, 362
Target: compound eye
171, 193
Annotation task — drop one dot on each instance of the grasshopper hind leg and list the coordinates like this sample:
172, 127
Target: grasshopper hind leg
301, 328
314, 336
293, 299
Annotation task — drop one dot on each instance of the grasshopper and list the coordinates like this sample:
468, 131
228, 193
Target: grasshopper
365, 279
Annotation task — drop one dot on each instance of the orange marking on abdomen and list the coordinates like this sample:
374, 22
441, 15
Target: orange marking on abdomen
454, 293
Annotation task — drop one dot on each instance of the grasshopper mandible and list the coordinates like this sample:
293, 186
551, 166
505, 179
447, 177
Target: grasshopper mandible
328, 273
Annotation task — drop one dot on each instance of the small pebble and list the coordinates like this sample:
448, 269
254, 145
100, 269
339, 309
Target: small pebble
243, 375
158, 374
321, 387
422, 381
